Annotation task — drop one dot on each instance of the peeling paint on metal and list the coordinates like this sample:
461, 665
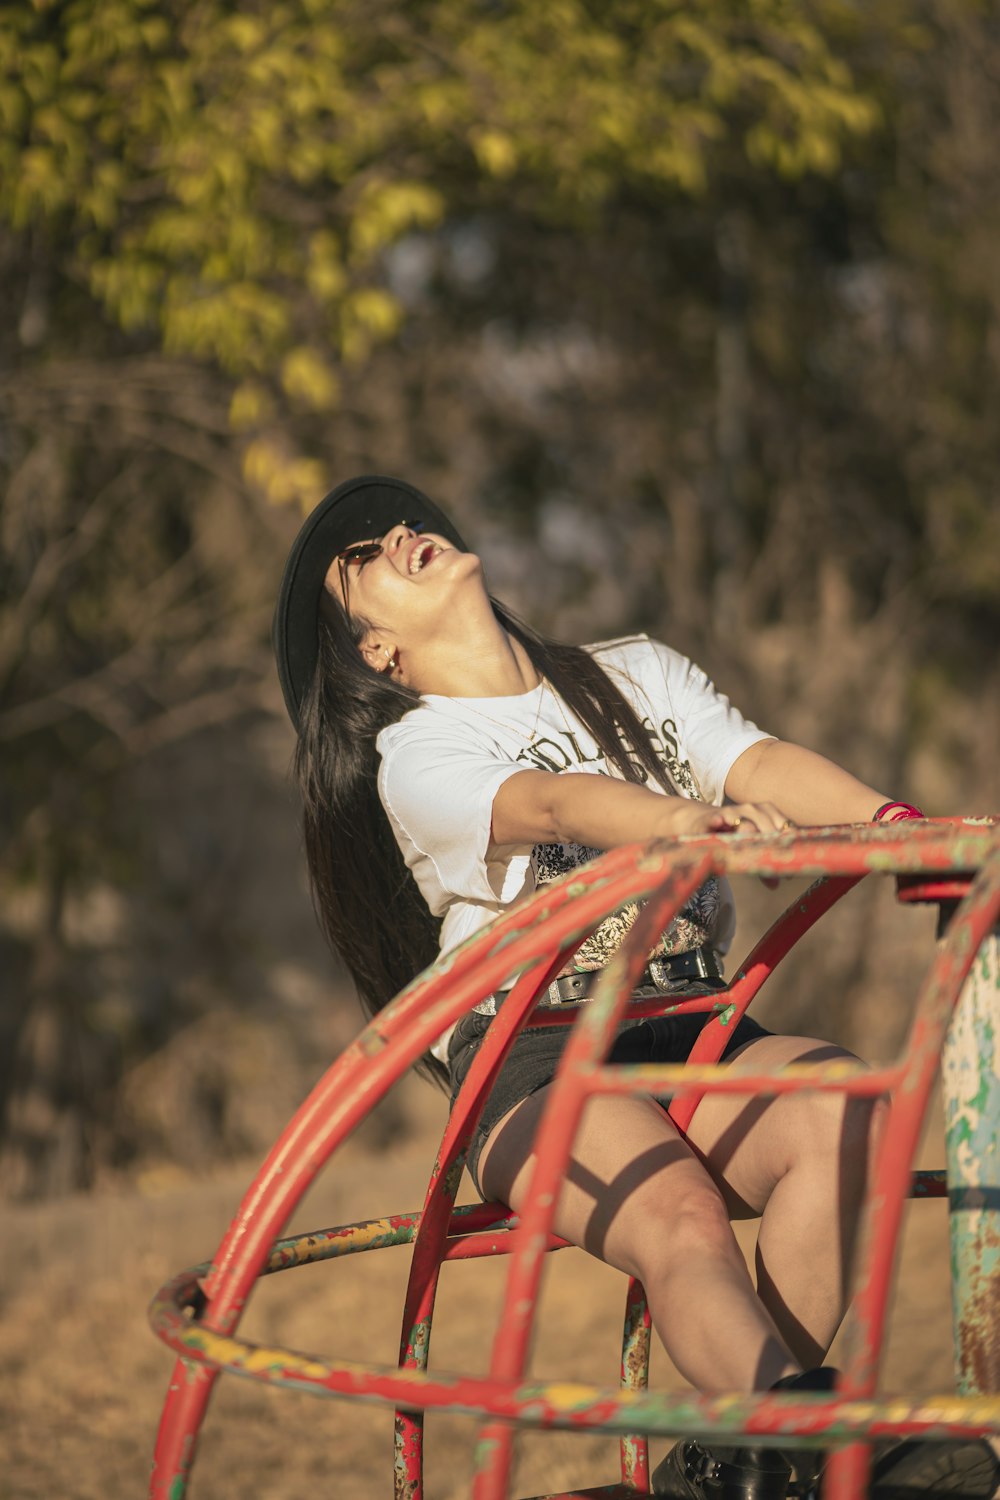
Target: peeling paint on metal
418, 1343
971, 1088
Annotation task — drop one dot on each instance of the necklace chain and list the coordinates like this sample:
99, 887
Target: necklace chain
543, 686
561, 707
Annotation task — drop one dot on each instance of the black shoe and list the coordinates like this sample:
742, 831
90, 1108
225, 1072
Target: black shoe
961, 1469
956, 1469
691, 1472
807, 1462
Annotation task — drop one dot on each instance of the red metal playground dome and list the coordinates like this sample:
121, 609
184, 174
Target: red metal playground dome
955, 1022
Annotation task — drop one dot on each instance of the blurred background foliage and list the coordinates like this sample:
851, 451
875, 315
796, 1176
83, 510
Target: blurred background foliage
689, 312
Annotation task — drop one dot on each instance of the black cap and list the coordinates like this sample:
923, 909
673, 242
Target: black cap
355, 511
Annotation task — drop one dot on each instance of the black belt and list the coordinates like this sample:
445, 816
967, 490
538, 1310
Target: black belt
659, 975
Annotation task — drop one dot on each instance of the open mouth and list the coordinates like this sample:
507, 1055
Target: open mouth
421, 555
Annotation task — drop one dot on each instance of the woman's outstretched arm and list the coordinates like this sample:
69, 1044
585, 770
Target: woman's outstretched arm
770, 783
807, 787
540, 807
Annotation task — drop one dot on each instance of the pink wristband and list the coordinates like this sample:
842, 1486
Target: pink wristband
895, 812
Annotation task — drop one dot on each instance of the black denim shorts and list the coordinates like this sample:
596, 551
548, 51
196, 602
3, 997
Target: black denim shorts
532, 1060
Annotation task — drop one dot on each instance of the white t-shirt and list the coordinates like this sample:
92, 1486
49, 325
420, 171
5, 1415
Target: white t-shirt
444, 762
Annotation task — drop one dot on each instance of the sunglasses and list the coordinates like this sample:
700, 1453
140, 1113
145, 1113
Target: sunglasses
361, 553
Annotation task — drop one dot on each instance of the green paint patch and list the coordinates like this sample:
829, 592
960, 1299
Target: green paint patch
484, 1452
725, 1016
981, 1097
419, 1342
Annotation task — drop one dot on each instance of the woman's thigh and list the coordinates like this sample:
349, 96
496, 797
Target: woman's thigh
630, 1175
632, 1172
749, 1144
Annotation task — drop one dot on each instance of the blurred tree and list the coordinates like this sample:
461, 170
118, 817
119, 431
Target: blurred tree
131, 617
233, 179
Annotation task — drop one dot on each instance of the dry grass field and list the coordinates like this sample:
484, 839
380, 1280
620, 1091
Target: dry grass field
83, 1377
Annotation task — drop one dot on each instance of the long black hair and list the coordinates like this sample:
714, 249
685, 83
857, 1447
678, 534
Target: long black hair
367, 902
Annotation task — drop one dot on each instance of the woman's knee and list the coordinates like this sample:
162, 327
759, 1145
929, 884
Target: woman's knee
690, 1225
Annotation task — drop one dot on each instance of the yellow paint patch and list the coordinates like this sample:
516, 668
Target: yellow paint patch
569, 1396
264, 1358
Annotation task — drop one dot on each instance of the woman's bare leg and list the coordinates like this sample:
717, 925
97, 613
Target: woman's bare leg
802, 1162
636, 1196
642, 1198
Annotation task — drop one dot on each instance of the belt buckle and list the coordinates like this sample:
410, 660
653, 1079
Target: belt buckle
659, 973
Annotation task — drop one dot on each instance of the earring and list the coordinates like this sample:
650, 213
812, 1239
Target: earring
393, 660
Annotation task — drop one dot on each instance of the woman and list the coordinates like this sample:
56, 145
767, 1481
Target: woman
451, 761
